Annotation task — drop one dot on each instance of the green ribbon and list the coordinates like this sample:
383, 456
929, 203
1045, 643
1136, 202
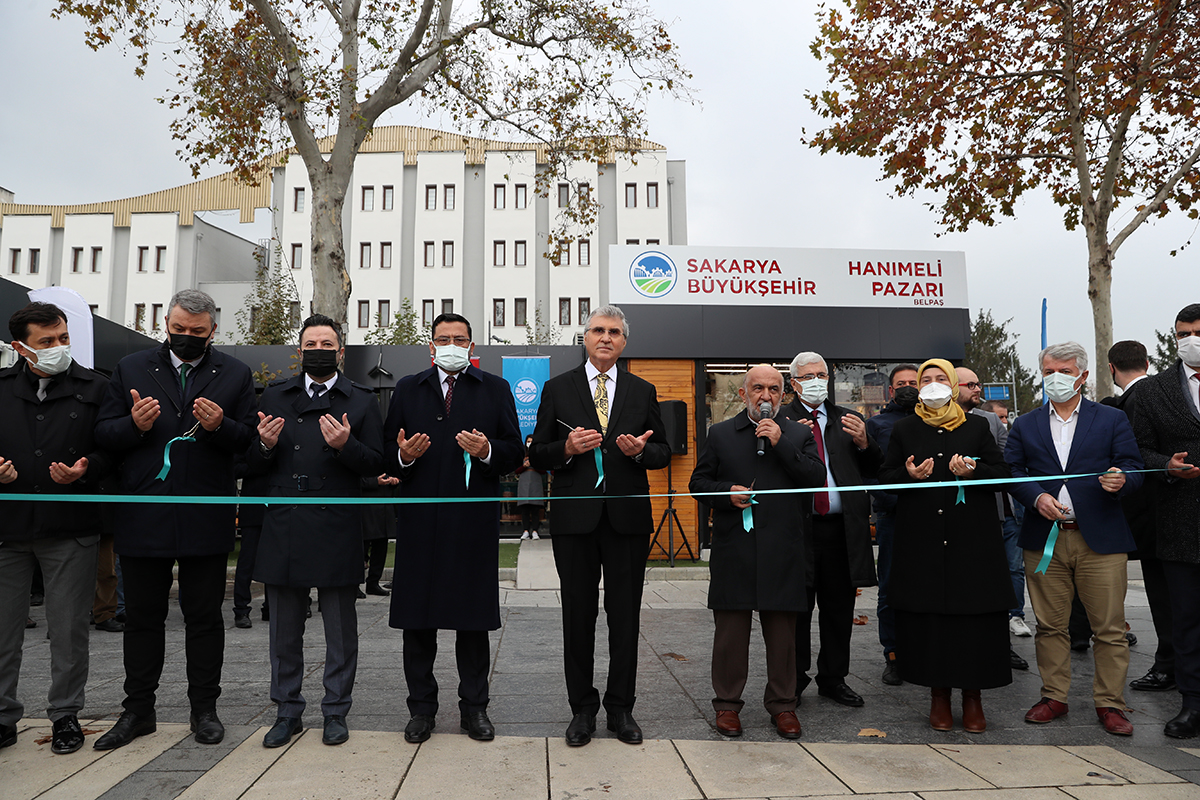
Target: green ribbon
166, 467
467, 460
748, 514
599, 467
962, 495
1048, 551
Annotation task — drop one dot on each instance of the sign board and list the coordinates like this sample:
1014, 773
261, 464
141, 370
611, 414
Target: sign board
762, 276
997, 391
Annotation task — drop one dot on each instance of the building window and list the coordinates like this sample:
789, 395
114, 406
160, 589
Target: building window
368, 198
564, 195
160, 258
519, 196
364, 255
35, 260
498, 254
142, 253
426, 313
651, 195
631, 195
519, 254
498, 195
585, 252
385, 313
448, 197
14, 261
364, 313
585, 309
498, 313
430, 254
385, 255
97, 254
298, 199
217, 318
652, 241
77, 260
520, 311
632, 241
297, 256
92, 307
447, 254
156, 316
447, 306
585, 191
564, 253
389, 198
294, 313
139, 316
564, 311
430, 197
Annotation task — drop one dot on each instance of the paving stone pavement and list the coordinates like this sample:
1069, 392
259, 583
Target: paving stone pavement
885, 749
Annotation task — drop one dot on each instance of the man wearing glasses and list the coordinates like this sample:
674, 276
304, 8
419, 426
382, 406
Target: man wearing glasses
456, 432
600, 429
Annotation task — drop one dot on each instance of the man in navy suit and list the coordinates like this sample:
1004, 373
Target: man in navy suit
1075, 535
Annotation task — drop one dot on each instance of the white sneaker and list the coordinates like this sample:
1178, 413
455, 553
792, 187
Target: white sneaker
524, 535
1017, 627
535, 536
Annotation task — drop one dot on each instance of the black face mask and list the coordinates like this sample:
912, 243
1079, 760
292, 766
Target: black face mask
320, 363
187, 348
906, 397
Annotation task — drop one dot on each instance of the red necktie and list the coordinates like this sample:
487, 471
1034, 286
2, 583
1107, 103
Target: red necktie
820, 499
449, 392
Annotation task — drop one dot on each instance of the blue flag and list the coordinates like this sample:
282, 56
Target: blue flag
526, 375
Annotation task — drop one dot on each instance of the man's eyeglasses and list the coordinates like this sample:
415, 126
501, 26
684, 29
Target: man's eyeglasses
613, 332
461, 341
822, 375
973, 385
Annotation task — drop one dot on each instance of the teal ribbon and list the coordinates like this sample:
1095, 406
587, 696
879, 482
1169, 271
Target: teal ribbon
962, 495
467, 461
599, 467
166, 467
748, 515
1048, 551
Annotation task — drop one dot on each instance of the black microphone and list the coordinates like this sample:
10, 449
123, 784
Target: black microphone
765, 411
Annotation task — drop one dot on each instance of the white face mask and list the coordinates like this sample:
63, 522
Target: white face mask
52, 360
1060, 388
451, 357
814, 391
1189, 351
935, 395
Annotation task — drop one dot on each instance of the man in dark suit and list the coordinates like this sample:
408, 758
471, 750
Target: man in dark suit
302, 546
841, 558
178, 415
1128, 363
451, 431
1168, 431
599, 429
1074, 534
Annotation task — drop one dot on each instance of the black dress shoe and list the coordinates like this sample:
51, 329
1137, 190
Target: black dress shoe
1185, 725
359, 593
128, 727
579, 732
282, 731
891, 674
336, 731
841, 693
67, 737
8, 735
419, 728
1079, 645
37, 599
1153, 681
377, 590
621, 723
207, 727
478, 726
111, 625
120, 617
1015, 661
266, 614
242, 620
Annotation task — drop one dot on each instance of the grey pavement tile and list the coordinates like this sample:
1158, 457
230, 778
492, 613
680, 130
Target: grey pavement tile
1014, 766
1172, 758
1176, 791
150, 784
1123, 764
1038, 793
882, 768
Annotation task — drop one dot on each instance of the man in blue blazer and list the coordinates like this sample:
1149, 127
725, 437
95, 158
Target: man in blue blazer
1075, 536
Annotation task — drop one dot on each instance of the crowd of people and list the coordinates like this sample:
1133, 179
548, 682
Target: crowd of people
968, 513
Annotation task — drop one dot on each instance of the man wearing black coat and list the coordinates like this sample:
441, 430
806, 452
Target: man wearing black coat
595, 418
1167, 425
451, 431
177, 415
47, 446
319, 434
841, 558
758, 561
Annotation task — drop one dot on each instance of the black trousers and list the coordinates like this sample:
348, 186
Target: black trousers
530, 518
1184, 582
833, 591
580, 559
247, 555
147, 597
375, 554
472, 652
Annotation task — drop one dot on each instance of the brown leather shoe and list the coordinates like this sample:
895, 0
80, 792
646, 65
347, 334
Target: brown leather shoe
1045, 710
940, 716
1115, 721
973, 721
786, 724
728, 723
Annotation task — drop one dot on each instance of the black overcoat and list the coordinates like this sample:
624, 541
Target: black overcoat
765, 568
202, 467
446, 553
947, 557
850, 467
315, 545
38, 433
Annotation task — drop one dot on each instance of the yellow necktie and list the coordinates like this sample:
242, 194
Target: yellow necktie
602, 402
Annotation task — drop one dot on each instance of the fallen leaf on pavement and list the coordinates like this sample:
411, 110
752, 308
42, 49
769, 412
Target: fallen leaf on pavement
878, 734
861, 619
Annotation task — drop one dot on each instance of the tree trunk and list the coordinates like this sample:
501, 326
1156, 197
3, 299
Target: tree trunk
1100, 294
331, 280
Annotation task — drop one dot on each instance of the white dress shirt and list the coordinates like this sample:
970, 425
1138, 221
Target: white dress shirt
1062, 431
308, 383
610, 385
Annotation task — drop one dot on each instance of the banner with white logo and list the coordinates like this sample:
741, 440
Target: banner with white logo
527, 375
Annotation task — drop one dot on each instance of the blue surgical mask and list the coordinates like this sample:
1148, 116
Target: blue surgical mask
451, 357
1060, 388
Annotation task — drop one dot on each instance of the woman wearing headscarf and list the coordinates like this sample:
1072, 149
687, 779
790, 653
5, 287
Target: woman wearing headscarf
950, 585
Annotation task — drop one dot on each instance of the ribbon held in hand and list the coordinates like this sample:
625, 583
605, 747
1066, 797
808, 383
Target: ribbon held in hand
166, 467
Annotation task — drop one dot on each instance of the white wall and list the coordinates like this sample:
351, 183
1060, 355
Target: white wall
439, 225
24, 234
371, 282
149, 287
509, 225
87, 231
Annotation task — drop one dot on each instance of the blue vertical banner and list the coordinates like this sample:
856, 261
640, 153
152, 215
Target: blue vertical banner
526, 375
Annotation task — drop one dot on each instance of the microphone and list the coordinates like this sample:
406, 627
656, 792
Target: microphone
765, 411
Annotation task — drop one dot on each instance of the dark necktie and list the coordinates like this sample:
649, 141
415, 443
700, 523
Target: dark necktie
449, 392
318, 389
184, 369
820, 499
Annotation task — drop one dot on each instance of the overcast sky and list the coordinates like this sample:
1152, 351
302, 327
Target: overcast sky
77, 127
